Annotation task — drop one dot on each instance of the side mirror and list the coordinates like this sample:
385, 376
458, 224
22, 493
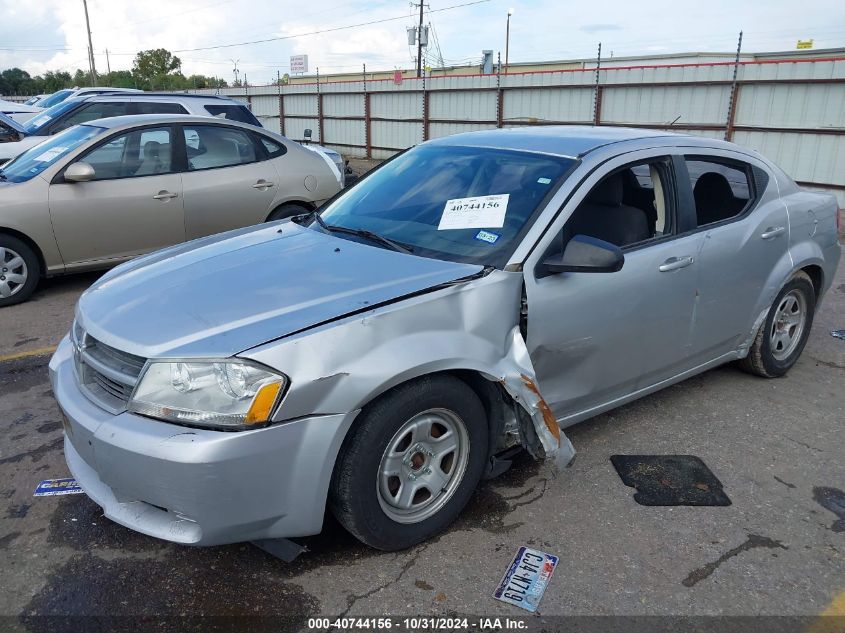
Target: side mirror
79, 172
585, 254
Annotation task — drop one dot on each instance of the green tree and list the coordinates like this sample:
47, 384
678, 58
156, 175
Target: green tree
15, 81
153, 67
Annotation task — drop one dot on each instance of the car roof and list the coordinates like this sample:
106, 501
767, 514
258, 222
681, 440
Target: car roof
129, 120
561, 140
155, 96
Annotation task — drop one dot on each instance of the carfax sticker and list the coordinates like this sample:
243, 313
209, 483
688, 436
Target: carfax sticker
54, 487
487, 236
525, 581
480, 212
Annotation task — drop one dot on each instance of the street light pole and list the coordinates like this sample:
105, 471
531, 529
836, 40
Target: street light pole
91, 66
507, 38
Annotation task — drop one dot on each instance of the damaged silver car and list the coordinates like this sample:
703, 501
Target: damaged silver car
471, 297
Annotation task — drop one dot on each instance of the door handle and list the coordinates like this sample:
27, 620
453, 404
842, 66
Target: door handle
165, 195
675, 263
772, 232
263, 184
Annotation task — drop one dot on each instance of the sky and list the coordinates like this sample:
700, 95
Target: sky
50, 34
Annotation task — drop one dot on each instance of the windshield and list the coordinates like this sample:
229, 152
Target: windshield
57, 97
36, 126
463, 204
36, 159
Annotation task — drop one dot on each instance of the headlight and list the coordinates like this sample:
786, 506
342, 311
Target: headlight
220, 394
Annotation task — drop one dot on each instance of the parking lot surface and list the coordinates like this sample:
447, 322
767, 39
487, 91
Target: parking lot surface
779, 549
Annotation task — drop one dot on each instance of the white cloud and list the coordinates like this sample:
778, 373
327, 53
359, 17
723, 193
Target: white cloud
540, 29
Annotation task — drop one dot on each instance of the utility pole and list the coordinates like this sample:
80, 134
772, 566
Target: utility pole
419, 40
108, 64
91, 66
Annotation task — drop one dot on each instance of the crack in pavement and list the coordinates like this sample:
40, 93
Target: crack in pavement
352, 599
754, 540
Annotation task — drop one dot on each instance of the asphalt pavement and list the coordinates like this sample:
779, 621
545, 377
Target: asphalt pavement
779, 549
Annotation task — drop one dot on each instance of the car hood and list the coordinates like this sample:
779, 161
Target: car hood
218, 296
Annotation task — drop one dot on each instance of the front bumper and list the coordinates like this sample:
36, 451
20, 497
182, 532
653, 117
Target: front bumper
196, 486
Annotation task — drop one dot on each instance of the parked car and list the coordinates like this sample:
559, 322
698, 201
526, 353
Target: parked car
34, 99
475, 294
19, 112
14, 139
57, 97
104, 191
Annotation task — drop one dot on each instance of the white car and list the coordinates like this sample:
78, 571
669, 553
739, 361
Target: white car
48, 101
19, 112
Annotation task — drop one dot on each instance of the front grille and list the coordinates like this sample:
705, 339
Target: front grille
107, 375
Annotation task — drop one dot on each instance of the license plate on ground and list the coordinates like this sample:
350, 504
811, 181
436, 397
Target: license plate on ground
526, 579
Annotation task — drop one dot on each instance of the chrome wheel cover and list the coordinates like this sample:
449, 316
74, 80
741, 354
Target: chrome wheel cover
788, 324
13, 272
422, 466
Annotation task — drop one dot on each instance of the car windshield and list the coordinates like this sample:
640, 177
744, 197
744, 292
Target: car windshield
38, 123
57, 97
36, 159
464, 204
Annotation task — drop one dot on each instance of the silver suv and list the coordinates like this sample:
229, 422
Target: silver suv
15, 138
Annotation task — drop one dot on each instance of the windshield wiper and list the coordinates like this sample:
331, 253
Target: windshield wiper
373, 237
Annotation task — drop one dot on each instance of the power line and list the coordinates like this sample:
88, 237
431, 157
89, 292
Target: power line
331, 30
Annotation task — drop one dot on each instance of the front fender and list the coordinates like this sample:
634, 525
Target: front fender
341, 366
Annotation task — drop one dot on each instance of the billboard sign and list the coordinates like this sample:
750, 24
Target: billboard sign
298, 64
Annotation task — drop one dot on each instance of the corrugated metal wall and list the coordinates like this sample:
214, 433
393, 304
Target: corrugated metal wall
791, 111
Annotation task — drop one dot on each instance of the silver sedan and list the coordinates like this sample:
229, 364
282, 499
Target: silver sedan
100, 193
475, 295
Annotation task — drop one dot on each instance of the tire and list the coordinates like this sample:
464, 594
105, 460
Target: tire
442, 410
772, 355
20, 271
287, 211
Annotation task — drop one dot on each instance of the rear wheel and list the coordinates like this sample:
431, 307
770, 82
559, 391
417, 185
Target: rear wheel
411, 463
19, 270
784, 333
287, 211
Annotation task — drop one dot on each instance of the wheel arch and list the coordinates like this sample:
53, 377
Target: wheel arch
305, 203
23, 237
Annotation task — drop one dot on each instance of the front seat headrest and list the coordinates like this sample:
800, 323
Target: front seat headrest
608, 192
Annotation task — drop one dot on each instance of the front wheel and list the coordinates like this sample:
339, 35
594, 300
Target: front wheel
287, 211
411, 463
19, 270
784, 333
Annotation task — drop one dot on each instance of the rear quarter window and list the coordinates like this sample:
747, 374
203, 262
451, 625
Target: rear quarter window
234, 112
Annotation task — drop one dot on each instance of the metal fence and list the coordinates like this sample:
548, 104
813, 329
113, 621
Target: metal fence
793, 111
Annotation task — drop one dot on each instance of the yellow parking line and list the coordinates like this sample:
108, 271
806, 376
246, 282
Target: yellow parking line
832, 619
41, 351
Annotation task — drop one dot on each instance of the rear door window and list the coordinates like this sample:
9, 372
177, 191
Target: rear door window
213, 146
721, 190
158, 107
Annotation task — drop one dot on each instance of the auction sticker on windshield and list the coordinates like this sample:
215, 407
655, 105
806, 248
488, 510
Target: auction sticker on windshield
480, 212
526, 579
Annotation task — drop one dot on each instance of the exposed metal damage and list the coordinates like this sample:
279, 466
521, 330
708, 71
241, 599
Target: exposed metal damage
539, 431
